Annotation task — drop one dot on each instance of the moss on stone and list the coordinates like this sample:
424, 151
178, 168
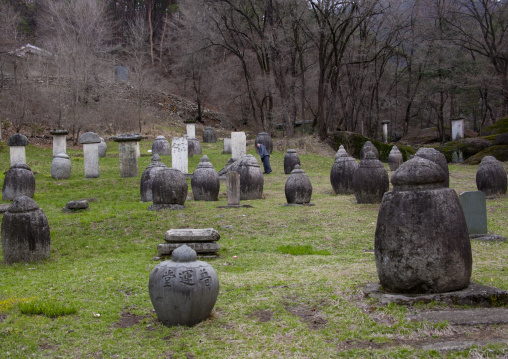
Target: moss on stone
468, 147
501, 126
499, 152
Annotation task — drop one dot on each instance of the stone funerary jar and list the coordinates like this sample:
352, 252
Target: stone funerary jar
148, 176
298, 188
291, 159
19, 181
370, 180
251, 178
205, 181
266, 140
491, 177
341, 175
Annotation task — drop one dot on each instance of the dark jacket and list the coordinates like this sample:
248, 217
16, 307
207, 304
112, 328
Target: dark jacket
262, 151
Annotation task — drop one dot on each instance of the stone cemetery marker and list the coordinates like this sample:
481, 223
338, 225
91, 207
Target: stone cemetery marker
102, 148
385, 130
370, 180
474, 205
291, 159
19, 181
422, 243
340, 152
179, 154
90, 142
17, 144
251, 178
491, 177
169, 188
25, 232
127, 153
194, 146
341, 175
238, 145
148, 176
227, 145
183, 290
205, 181
161, 146
209, 135
437, 157
266, 140
233, 188
368, 146
457, 128
395, 158
298, 188
59, 141
203, 241
61, 166
191, 130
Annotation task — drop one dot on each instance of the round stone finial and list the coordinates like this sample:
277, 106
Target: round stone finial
418, 173
370, 155
156, 158
205, 159
184, 254
17, 140
23, 204
297, 169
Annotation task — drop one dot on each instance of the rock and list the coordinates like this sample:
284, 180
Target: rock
491, 177
19, 181
501, 139
298, 188
370, 180
74, 206
191, 235
205, 182
291, 159
395, 158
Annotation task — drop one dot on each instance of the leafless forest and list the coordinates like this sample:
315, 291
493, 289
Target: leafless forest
344, 65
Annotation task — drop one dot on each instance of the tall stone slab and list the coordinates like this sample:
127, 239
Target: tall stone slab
191, 130
385, 130
128, 154
179, 154
457, 128
227, 146
474, 205
233, 188
59, 141
90, 142
17, 144
238, 145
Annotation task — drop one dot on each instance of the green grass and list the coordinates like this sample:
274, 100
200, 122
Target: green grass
101, 260
48, 307
302, 250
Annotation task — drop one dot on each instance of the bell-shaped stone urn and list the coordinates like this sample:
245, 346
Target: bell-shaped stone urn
368, 146
25, 232
422, 242
341, 175
161, 146
148, 176
61, 166
19, 181
266, 140
437, 157
395, 158
183, 290
194, 146
291, 159
251, 178
298, 188
370, 180
205, 181
169, 187
209, 135
102, 148
491, 177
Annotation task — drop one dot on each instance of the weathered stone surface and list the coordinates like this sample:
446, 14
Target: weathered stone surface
266, 140
501, 139
474, 206
148, 176
227, 146
25, 232
91, 159
191, 130
341, 175
487, 237
58, 132
77, 205
102, 148
128, 137
298, 188
199, 247
238, 145
251, 178
180, 154
61, 166
233, 188
209, 135
194, 146
4, 207
491, 177
89, 137
161, 146
437, 157
422, 243
368, 146
17, 155
59, 141
395, 158
17, 140
457, 128
183, 291
205, 182
291, 159
169, 186
19, 181
191, 235
127, 154
370, 180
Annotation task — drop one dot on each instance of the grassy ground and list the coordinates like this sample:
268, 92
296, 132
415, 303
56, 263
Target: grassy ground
270, 304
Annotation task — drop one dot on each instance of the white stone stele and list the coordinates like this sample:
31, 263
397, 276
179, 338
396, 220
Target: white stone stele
91, 158
191, 130
138, 151
238, 145
179, 154
385, 132
227, 145
17, 155
59, 144
457, 129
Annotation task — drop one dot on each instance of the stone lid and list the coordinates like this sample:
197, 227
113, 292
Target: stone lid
297, 169
59, 132
184, 254
395, 149
341, 152
156, 162
208, 128
489, 159
129, 137
263, 133
205, 162
21, 165
292, 151
249, 160
61, 155
158, 138
418, 173
89, 137
17, 140
22, 204
385, 122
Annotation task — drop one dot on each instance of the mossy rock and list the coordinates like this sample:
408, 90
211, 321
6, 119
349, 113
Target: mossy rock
499, 152
469, 147
353, 143
501, 126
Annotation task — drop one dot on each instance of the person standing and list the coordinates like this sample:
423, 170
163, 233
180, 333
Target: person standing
265, 158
